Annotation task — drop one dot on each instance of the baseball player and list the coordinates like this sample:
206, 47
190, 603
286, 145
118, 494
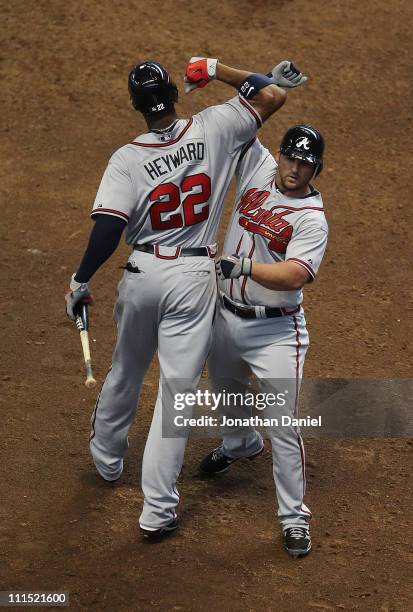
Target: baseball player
166, 190
274, 246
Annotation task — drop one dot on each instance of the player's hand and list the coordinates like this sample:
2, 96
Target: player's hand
233, 266
286, 74
79, 293
199, 72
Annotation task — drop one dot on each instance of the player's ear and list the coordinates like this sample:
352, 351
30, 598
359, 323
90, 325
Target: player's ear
277, 156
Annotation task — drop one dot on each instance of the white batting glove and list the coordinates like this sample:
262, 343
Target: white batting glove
199, 71
286, 74
233, 266
79, 293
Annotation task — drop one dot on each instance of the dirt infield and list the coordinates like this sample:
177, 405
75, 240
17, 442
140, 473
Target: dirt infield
65, 109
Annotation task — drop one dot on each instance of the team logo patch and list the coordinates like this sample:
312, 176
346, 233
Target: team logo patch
303, 143
165, 137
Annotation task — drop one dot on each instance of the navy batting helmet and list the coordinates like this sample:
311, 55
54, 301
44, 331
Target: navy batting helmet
151, 89
306, 143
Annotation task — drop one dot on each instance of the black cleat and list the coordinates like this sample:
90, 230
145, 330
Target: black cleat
297, 541
110, 481
158, 534
217, 462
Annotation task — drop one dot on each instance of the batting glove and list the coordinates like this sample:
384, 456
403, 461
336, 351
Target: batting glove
199, 72
286, 74
79, 294
233, 266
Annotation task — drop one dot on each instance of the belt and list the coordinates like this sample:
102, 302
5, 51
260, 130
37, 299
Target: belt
257, 312
205, 251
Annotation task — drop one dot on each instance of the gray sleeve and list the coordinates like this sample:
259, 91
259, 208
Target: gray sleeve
256, 166
307, 246
231, 125
115, 195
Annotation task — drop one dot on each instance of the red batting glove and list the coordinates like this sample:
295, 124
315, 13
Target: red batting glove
199, 72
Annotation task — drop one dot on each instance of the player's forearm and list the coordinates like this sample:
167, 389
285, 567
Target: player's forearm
231, 76
267, 100
282, 276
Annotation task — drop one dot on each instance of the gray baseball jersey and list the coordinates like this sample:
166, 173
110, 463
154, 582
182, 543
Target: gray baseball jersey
269, 227
170, 187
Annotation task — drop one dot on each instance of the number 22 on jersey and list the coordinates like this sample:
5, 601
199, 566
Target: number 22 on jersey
174, 195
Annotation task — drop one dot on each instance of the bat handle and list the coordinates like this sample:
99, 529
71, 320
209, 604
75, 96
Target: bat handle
85, 316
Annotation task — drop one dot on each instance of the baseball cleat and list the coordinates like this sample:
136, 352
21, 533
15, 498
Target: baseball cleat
112, 480
158, 534
115, 478
297, 541
217, 461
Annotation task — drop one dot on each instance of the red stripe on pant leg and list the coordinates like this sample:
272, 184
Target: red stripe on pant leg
297, 364
297, 380
300, 444
92, 433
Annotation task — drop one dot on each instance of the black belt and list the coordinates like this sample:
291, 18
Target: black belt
179, 251
249, 312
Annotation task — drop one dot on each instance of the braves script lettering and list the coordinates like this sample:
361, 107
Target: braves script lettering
265, 222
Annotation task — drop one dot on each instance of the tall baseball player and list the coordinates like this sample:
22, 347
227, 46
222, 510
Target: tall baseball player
274, 246
166, 190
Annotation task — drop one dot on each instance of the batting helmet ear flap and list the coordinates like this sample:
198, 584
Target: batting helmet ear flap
318, 169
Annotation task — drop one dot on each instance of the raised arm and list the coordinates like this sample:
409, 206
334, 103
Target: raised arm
262, 91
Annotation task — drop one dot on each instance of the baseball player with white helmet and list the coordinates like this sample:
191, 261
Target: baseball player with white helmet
274, 246
166, 189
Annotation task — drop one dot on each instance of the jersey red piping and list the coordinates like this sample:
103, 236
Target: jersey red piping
304, 264
110, 211
164, 144
252, 111
247, 146
301, 208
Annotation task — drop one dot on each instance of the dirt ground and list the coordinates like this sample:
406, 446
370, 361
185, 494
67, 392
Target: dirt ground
65, 109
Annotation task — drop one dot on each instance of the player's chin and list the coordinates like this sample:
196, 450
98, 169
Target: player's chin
292, 183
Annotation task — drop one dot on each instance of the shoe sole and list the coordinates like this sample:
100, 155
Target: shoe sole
298, 553
250, 458
158, 534
111, 481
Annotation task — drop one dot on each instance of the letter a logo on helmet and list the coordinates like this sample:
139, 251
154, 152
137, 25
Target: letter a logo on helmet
303, 142
306, 143
151, 89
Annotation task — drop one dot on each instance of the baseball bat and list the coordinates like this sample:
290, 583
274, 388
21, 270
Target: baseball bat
82, 324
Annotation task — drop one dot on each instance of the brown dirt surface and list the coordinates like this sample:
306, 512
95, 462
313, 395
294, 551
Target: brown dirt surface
65, 109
